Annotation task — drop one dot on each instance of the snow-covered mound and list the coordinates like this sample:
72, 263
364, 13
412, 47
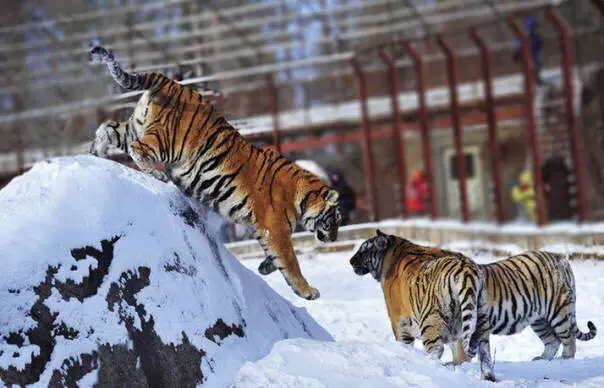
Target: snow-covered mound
110, 277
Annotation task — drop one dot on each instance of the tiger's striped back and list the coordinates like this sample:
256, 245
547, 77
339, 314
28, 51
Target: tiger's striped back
534, 288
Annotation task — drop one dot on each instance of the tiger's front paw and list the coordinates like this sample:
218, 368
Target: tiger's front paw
309, 293
98, 148
267, 266
157, 174
100, 144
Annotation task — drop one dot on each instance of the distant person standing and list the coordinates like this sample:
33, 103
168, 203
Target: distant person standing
416, 193
348, 197
523, 194
531, 28
556, 186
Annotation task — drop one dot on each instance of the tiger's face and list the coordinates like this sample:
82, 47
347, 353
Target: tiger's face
368, 258
322, 216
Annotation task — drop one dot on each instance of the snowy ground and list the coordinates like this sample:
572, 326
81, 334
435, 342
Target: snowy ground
352, 309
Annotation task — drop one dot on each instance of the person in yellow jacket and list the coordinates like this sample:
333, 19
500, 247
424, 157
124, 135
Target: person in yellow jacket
523, 194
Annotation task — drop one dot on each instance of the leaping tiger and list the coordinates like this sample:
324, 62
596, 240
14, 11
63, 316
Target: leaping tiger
212, 163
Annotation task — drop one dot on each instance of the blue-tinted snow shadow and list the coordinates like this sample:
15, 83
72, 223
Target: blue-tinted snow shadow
567, 371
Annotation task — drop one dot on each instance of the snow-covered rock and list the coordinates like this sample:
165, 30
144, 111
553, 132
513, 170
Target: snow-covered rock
110, 277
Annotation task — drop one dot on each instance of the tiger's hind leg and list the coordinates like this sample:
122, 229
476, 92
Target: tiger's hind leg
459, 356
564, 327
146, 152
432, 329
279, 250
109, 133
547, 335
480, 340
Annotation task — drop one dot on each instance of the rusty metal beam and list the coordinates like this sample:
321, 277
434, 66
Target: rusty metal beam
460, 161
274, 108
425, 125
367, 151
491, 122
397, 126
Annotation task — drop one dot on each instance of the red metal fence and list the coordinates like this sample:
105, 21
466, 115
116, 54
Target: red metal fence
489, 105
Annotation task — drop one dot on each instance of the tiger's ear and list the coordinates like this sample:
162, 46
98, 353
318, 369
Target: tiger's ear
379, 233
381, 242
331, 197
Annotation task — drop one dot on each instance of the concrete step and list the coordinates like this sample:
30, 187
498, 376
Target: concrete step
589, 237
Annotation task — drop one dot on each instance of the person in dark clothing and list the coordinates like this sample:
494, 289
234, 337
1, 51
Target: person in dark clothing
531, 26
556, 175
348, 197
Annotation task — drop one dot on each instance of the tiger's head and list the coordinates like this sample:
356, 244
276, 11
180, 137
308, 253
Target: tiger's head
320, 213
368, 258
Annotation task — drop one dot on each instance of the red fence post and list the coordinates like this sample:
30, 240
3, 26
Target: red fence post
274, 104
397, 127
367, 151
460, 161
487, 77
574, 134
19, 153
425, 125
529, 93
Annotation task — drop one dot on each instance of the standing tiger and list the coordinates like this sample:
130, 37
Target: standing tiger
431, 294
535, 288
206, 158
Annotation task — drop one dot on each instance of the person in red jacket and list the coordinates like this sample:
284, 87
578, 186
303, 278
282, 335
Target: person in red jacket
416, 193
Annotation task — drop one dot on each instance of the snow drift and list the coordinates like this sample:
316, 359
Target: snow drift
348, 364
110, 277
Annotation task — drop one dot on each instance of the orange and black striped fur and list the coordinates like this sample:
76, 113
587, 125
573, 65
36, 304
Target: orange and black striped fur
212, 163
535, 288
431, 294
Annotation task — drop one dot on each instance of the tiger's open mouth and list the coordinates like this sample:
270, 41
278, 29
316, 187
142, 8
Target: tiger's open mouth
360, 270
324, 237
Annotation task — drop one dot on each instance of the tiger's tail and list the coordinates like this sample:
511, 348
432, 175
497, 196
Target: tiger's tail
586, 336
469, 312
128, 81
564, 266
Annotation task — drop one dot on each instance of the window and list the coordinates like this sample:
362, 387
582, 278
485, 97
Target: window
469, 159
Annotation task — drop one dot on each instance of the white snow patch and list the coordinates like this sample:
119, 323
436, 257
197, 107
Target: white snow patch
306, 363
